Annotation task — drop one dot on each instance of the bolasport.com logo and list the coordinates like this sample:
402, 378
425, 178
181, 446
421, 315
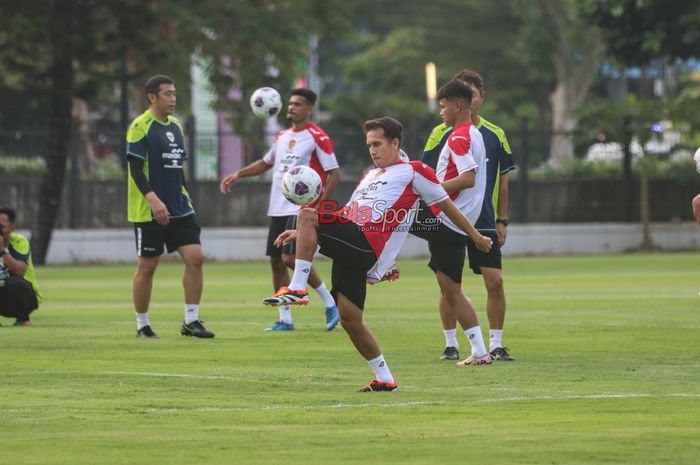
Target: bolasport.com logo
378, 216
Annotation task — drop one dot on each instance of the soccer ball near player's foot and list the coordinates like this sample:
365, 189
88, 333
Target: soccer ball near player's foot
266, 102
301, 185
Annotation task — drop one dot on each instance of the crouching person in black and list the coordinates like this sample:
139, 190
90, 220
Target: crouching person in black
19, 293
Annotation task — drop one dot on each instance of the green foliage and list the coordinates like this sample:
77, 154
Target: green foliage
681, 169
22, 166
640, 31
105, 170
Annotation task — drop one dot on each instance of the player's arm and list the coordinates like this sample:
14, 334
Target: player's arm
160, 211
332, 180
16, 266
461, 182
254, 169
696, 208
502, 209
483, 243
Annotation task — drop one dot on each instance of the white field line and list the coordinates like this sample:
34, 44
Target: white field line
410, 404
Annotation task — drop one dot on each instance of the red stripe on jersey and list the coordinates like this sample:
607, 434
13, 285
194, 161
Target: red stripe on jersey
424, 170
321, 138
460, 141
378, 232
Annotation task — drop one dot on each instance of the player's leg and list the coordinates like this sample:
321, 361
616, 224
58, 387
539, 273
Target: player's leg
447, 261
488, 264
289, 257
149, 247
142, 286
183, 236
449, 329
280, 274
496, 312
306, 243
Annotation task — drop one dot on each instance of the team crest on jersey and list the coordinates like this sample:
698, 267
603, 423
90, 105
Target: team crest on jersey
291, 144
170, 136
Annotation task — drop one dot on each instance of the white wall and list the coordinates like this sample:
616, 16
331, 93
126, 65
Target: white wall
231, 244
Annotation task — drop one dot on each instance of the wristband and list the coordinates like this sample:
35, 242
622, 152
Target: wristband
503, 221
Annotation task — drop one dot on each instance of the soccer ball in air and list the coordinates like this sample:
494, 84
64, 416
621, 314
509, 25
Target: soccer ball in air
301, 185
266, 102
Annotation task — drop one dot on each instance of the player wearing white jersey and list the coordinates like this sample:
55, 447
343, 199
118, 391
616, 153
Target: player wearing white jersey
461, 169
305, 144
364, 237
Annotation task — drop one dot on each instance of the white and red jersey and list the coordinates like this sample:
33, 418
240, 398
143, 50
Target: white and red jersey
383, 206
309, 146
464, 151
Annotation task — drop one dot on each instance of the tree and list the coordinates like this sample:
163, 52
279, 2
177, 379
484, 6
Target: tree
92, 39
555, 38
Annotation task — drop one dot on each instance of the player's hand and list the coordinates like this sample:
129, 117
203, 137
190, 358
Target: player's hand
502, 232
160, 211
483, 243
228, 182
287, 237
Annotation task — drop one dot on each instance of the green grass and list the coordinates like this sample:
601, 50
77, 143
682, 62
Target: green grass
607, 371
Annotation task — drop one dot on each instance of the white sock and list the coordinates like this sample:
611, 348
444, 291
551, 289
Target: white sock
302, 268
476, 339
325, 295
495, 338
285, 314
191, 313
451, 338
381, 370
142, 320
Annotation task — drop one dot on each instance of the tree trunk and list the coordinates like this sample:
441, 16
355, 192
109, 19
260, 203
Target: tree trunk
563, 122
62, 81
644, 215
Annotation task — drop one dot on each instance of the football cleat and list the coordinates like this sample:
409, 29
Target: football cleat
287, 296
392, 275
450, 353
473, 360
146, 333
376, 386
501, 354
20, 322
332, 317
281, 326
196, 329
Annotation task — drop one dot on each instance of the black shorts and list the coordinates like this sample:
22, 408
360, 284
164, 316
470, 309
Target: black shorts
17, 298
479, 259
278, 225
447, 247
352, 257
152, 238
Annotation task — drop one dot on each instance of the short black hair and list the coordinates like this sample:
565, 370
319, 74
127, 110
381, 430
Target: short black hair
392, 128
471, 77
153, 84
308, 94
455, 89
11, 215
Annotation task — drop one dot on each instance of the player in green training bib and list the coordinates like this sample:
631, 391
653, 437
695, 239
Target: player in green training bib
160, 207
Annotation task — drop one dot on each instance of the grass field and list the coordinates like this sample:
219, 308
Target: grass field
607, 371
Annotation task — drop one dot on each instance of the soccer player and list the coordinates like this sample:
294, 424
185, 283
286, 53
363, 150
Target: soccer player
19, 292
493, 220
461, 168
364, 237
303, 143
160, 207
